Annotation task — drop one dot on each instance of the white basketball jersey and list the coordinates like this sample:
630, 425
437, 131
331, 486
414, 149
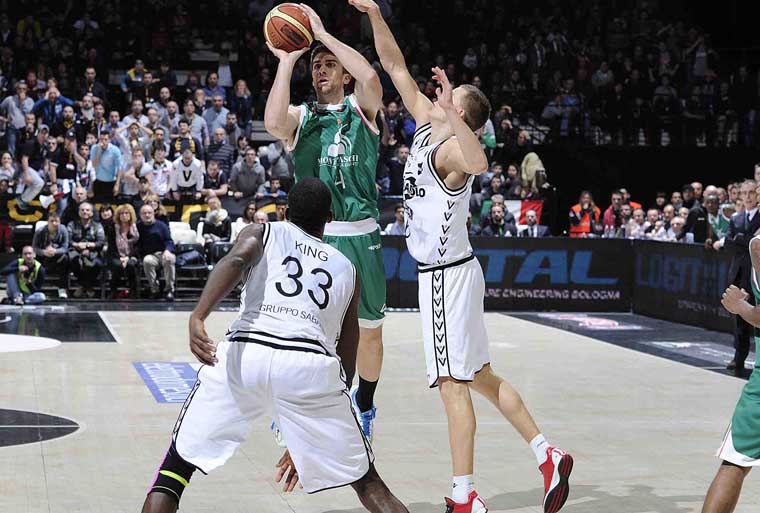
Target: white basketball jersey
436, 216
297, 295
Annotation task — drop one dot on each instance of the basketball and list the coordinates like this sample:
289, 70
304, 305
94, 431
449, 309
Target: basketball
287, 27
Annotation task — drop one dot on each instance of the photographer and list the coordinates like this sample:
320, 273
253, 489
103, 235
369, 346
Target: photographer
583, 215
25, 279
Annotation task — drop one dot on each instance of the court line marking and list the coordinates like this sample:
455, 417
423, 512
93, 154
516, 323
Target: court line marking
109, 326
66, 426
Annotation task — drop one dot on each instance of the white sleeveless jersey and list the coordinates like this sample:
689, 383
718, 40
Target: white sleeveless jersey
297, 295
435, 216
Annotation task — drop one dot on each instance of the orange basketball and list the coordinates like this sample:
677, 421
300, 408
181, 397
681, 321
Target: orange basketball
287, 27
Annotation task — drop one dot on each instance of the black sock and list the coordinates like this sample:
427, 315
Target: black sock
365, 396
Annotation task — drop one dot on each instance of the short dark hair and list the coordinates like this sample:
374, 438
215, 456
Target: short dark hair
476, 106
309, 204
398, 206
318, 49
53, 215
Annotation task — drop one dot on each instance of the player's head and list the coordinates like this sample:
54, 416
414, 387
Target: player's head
471, 103
309, 205
328, 76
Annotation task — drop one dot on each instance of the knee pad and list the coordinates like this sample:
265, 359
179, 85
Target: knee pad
173, 475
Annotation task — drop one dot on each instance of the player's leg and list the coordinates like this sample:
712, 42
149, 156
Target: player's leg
159, 503
369, 363
725, 488
171, 479
555, 464
460, 415
461, 421
365, 252
375, 495
212, 424
507, 400
325, 442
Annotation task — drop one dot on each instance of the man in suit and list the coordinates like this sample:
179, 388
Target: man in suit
741, 229
534, 229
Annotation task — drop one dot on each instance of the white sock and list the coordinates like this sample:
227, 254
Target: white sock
463, 485
539, 446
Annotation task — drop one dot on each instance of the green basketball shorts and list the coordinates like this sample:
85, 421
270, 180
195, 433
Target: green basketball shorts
365, 251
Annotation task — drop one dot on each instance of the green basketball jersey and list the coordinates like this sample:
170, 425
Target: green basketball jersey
745, 423
338, 145
755, 279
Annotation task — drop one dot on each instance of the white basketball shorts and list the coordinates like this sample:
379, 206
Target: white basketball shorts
303, 392
453, 330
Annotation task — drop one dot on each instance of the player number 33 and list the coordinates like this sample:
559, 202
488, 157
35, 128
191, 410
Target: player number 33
297, 286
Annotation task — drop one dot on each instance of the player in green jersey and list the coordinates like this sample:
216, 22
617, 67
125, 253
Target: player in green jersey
336, 139
740, 450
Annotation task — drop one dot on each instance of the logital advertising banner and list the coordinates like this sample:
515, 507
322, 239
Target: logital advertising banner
681, 283
532, 274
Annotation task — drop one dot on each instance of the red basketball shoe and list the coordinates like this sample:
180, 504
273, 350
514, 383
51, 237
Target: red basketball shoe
556, 470
474, 504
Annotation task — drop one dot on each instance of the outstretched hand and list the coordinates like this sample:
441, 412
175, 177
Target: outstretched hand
317, 27
444, 91
286, 466
284, 56
363, 5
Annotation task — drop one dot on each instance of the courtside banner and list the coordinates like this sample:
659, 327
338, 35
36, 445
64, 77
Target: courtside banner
532, 274
681, 283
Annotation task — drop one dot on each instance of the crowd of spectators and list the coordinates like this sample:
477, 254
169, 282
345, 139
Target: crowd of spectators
695, 214
87, 120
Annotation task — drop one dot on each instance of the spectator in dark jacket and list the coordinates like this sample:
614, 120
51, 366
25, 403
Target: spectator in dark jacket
155, 247
220, 151
86, 241
496, 187
25, 278
534, 229
241, 103
6, 225
51, 245
497, 225
92, 86
396, 170
71, 212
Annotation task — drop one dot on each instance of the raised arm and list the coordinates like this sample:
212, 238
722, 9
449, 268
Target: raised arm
368, 91
280, 118
227, 273
462, 154
418, 105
